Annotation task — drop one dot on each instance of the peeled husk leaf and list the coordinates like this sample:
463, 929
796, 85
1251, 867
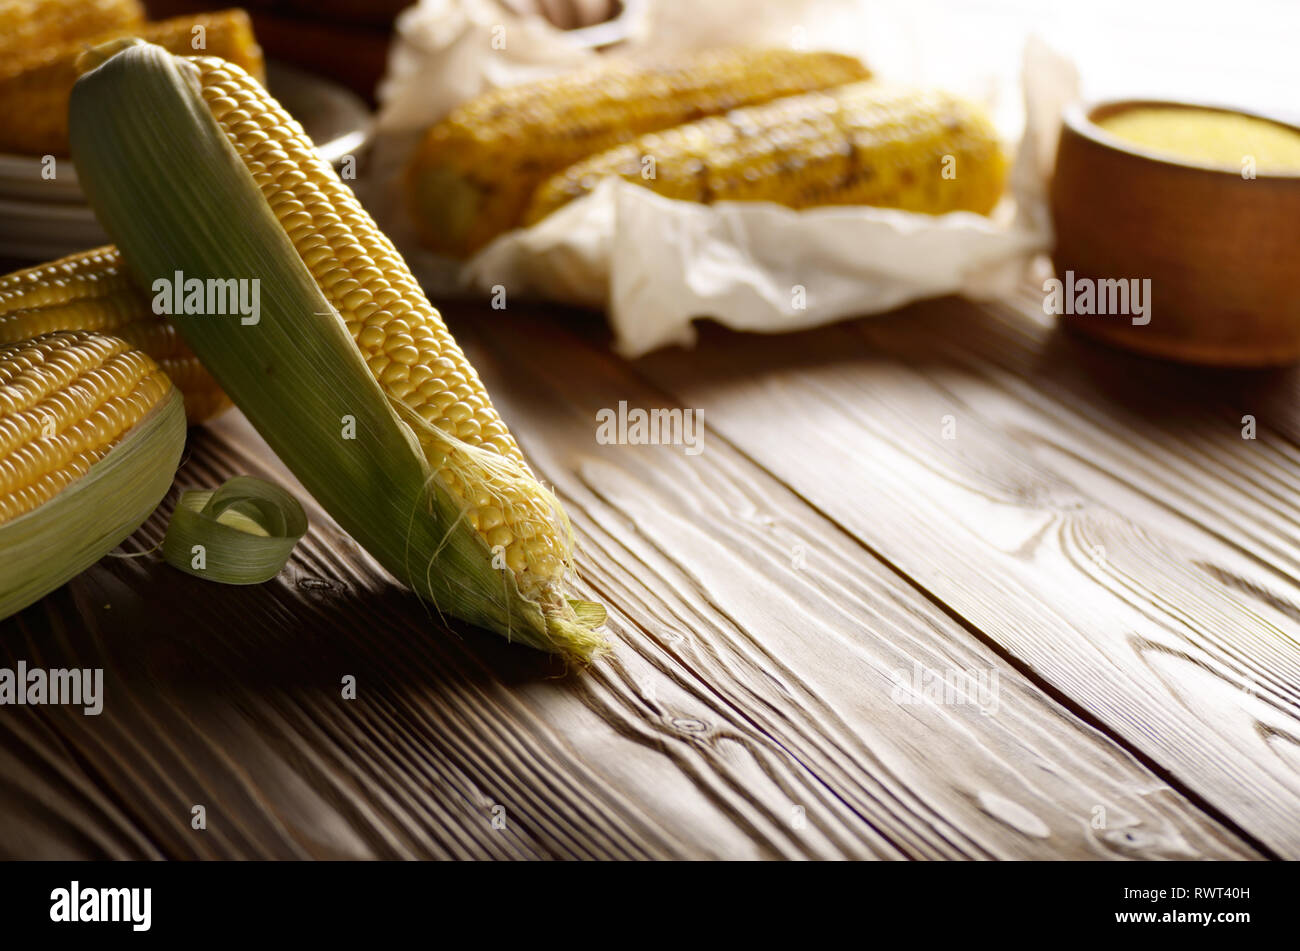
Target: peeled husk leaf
241, 533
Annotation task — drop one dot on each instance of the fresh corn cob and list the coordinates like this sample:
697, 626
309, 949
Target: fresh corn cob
350, 375
401, 336
90, 434
474, 172
91, 290
27, 26
861, 144
34, 88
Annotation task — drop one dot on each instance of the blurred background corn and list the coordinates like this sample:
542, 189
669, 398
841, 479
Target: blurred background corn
92, 291
35, 83
30, 25
861, 144
65, 400
474, 172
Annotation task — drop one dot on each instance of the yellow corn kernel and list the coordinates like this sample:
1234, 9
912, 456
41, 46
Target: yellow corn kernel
35, 82
91, 290
861, 144
65, 400
27, 25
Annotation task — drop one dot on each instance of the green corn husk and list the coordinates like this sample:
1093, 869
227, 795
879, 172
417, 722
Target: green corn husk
174, 195
245, 531
54, 543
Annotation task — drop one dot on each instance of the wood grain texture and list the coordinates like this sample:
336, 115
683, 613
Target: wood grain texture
1096, 516
748, 710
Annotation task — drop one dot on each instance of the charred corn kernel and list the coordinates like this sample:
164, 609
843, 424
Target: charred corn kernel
383, 444
474, 172
90, 434
34, 86
91, 290
861, 144
30, 25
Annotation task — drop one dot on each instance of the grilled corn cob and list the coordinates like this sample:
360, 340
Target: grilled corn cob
474, 172
91, 290
350, 374
30, 25
90, 434
861, 144
34, 88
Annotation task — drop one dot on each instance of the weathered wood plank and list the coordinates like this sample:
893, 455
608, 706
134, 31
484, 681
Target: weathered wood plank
1097, 516
746, 710
830, 634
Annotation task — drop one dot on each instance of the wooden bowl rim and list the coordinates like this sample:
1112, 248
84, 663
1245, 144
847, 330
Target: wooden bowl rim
1081, 118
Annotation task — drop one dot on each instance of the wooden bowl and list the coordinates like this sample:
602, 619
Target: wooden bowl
1221, 250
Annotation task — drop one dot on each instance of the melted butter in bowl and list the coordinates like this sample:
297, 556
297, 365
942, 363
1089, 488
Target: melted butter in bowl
1208, 136
1197, 205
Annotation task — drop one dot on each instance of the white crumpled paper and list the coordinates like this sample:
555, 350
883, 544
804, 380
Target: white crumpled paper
655, 264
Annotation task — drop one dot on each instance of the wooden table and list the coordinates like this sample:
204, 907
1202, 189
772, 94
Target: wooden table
956, 490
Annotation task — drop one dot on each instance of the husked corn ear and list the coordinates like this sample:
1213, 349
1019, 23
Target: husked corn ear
402, 337
91, 290
34, 86
474, 172
861, 144
27, 25
90, 434
349, 374
65, 399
